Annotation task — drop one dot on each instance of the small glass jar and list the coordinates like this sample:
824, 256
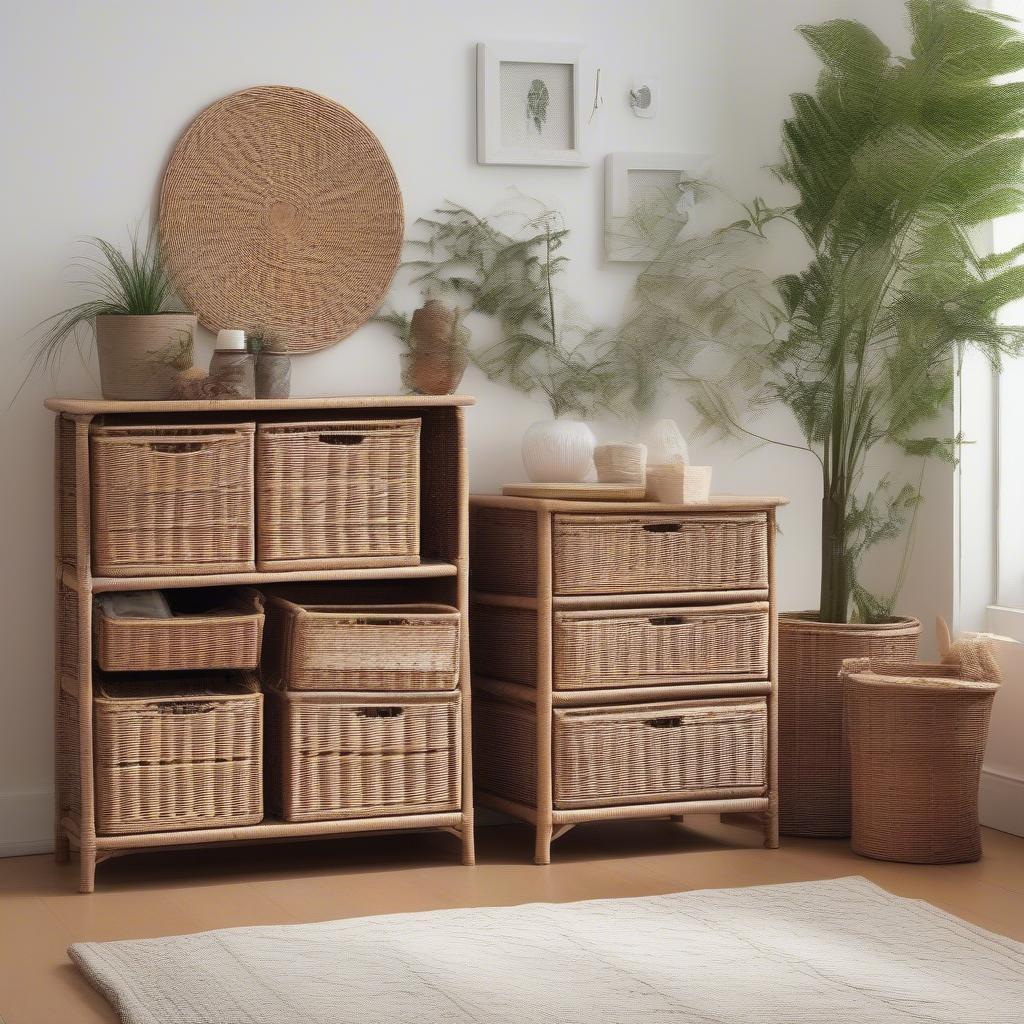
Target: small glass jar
232, 368
273, 374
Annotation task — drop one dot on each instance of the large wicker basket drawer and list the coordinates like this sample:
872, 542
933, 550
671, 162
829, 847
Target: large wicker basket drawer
336, 494
638, 754
362, 647
181, 752
333, 755
654, 646
609, 554
172, 500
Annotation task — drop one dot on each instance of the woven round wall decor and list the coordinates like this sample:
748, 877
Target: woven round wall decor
280, 211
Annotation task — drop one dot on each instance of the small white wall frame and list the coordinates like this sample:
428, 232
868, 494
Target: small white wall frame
510, 130
624, 174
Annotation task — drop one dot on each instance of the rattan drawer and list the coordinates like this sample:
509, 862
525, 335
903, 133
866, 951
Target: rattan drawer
659, 753
172, 500
209, 630
660, 646
178, 753
335, 494
333, 755
609, 554
371, 647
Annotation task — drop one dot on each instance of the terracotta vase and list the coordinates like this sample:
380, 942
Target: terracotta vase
141, 356
814, 774
438, 350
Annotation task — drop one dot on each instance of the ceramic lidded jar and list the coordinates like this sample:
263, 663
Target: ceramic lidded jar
558, 450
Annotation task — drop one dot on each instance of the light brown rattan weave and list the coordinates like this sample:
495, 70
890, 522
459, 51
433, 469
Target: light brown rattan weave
178, 752
814, 777
280, 210
659, 752
917, 738
605, 554
503, 551
335, 494
505, 749
169, 500
334, 755
369, 647
217, 629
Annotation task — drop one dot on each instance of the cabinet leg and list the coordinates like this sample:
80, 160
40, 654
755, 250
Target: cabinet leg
771, 829
87, 870
542, 851
468, 843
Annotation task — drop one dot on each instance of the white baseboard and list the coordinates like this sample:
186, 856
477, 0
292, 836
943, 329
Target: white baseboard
26, 823
1001, 804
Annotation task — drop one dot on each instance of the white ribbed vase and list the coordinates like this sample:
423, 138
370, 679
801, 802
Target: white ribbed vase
558, 451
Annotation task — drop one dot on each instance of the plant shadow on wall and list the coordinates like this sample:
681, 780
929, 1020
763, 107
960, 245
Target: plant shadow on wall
895, 161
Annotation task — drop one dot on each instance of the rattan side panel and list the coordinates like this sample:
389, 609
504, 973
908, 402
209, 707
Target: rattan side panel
67, 633
68, 765
336, 755
440, 484
66, 491
654, 753
505, 749
172, 500
503, 551
169, 760
607, 554
595, 649
814, 775
505, 643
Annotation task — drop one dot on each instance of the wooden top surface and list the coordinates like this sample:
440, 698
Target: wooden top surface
717, 503
100, 406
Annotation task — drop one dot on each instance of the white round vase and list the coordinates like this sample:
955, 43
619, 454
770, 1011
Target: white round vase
558, 451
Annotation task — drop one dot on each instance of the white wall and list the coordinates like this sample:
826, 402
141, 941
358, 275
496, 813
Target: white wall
96, 93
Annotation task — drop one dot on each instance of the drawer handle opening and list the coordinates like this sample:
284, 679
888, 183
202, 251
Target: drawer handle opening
185, 707
342, 439
180, 448
665, 723
667, 620
663, 527
380, 712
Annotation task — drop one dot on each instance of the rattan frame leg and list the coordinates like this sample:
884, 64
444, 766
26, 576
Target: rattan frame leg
771, 816
545, 612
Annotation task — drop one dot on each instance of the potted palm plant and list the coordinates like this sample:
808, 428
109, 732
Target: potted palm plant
142, 339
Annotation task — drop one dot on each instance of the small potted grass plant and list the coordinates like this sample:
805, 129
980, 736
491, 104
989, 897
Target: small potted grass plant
143, 340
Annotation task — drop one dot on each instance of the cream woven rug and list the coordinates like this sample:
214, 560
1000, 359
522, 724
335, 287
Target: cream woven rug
834, 952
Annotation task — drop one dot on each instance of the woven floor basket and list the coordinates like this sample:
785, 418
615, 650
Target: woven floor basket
172, 500
338, 647
227, 635
332, 494
814, 778
178, 753
334, 755
596, 554
917, 738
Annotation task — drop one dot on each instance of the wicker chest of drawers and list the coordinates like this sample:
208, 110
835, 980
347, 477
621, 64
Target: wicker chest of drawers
624, 660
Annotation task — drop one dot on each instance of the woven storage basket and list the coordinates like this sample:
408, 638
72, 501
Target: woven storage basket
333, 755
371, 647
172, 500
917, 738
814, 776
178, 753
337, 494
651, 753
208, 631
598, 554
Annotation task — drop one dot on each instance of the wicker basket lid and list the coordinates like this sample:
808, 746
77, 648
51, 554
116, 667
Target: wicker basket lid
280, 211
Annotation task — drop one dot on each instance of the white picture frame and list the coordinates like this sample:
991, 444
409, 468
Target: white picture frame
622, 171
507, 131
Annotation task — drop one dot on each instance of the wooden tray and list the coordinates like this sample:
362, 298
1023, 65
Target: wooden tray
577, 492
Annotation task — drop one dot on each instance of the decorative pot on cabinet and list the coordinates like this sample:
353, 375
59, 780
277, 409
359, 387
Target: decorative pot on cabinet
140, 357
814, 773
558, 451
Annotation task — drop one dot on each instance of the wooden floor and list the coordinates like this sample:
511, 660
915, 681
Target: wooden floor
167, 893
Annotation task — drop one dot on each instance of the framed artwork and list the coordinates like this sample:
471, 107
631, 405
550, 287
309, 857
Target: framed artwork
646, 196
528, 104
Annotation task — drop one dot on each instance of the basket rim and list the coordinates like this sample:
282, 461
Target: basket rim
697, 611
934, 684
246, 681
419, 610
696, 516
254, 610
411, 424
808, 621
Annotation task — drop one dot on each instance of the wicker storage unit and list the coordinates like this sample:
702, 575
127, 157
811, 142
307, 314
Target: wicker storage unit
370, 647
334, 494
630, 754
172, 500
333, 755
608, 554
209, 630
624, 660
917, 738
178, 753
